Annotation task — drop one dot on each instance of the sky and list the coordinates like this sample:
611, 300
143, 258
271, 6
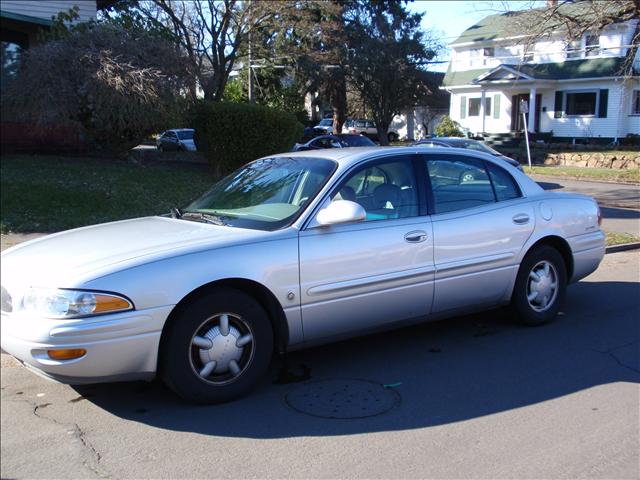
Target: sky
448, 19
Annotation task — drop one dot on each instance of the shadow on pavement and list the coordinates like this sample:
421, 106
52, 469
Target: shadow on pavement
550, 186
625, 213
445, 372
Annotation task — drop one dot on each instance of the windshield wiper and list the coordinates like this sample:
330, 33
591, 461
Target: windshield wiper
175, 212
205, 217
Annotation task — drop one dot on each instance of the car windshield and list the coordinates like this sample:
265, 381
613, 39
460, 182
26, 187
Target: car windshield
267, 194
185, 134
356, 141
327, 122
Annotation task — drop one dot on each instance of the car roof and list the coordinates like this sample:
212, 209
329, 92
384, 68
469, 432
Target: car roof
345, 157
181, 130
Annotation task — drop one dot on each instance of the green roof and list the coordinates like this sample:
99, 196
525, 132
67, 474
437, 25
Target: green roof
587, 68
25, 18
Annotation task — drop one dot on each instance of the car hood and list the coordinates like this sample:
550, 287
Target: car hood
67, 259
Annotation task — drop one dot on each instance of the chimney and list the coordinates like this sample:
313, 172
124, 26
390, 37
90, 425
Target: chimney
552, 3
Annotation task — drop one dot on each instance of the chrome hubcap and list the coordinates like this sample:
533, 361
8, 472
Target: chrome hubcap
221, 349
542, 286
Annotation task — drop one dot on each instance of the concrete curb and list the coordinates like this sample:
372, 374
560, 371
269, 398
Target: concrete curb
623, 247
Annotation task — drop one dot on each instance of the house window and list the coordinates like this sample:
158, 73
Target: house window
592, 45
527, 55
475, 56
581, 103
573, 49
489, 52
635, 105
474, 107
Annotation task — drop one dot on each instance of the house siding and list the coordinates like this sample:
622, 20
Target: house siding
617, 124
613, 126
474, 124
48, 9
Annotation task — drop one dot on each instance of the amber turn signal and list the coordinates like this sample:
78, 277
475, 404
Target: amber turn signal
66, 354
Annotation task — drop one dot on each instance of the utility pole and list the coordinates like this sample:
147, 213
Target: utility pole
251, 99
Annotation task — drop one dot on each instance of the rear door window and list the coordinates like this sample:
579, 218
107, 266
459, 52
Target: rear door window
458, 183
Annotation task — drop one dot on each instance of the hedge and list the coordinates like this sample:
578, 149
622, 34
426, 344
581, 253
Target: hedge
232, 134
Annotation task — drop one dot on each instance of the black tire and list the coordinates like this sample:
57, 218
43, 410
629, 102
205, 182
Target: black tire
181, 360
537, 311
393, 137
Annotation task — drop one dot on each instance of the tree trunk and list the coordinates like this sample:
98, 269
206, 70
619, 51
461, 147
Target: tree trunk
383, 128
339, 103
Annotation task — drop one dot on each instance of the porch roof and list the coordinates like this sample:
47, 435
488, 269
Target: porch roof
571, 69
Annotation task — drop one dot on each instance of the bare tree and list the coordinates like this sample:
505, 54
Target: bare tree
211, 34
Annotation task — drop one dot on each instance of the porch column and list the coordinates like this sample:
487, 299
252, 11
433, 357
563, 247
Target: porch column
531, 121
482, 112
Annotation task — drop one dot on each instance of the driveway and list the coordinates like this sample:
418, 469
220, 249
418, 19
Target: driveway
471, 397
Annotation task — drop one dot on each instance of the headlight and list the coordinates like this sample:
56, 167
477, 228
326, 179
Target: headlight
72, 303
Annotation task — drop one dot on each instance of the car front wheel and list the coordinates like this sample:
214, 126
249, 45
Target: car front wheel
217, 348
540, 286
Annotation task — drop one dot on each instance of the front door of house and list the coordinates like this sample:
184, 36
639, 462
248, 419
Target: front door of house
517, 122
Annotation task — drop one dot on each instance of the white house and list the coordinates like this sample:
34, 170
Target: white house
22, 20
574, 90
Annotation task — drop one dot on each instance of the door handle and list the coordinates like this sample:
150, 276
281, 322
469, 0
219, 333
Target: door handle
416, 236
521, 219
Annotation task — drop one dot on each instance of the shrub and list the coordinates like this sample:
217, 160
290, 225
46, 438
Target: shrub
448, 128
115, 86
232, 134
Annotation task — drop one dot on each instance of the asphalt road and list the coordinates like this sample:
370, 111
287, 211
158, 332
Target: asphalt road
477, 397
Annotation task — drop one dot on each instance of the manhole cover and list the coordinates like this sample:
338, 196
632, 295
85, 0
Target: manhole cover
344, 398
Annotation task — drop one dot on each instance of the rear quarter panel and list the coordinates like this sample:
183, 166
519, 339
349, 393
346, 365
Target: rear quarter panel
573, 218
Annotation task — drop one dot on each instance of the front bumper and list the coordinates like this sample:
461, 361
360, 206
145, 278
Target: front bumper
121, 346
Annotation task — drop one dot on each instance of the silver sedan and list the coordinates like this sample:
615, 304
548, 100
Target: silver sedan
289, 251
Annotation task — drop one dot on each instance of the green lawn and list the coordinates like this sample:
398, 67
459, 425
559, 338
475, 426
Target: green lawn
584, 173
51, 193
615, 238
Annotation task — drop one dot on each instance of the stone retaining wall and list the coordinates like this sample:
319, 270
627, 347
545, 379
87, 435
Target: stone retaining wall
622, 160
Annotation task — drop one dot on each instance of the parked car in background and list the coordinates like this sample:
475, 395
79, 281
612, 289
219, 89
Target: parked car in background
177, 139
334, 141
366, 127
290, 251
458, 142
325, 127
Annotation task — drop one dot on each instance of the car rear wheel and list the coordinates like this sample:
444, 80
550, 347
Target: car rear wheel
217, 348
540, 286
393, 137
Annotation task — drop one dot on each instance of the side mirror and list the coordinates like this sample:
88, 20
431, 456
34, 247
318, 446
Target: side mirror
341, 211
